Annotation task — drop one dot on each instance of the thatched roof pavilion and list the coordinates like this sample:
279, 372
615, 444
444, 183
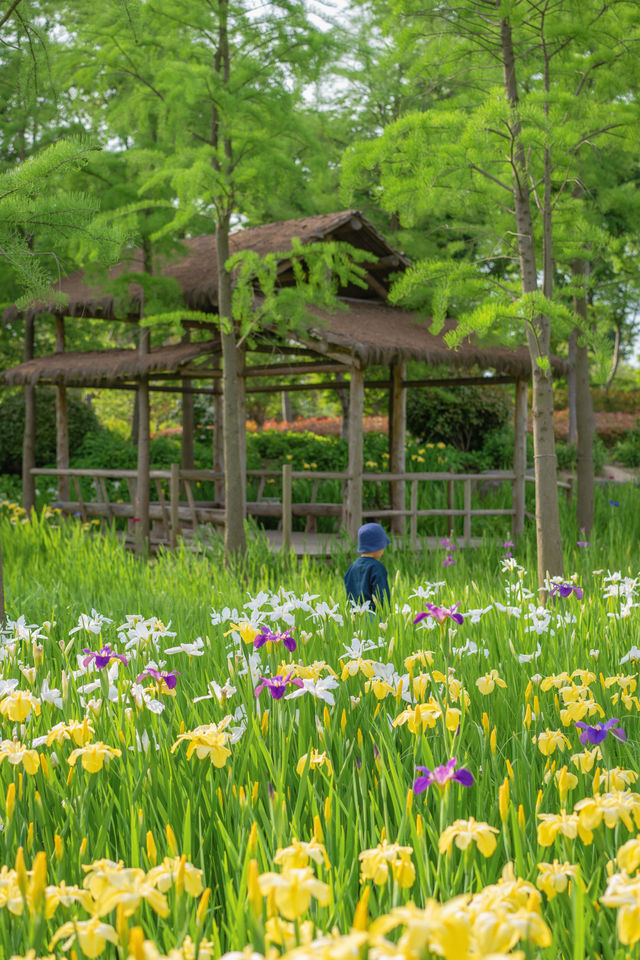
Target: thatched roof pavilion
367, 331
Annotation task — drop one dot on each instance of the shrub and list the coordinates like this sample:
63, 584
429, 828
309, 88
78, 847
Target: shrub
627, 450
462, 417
82, 420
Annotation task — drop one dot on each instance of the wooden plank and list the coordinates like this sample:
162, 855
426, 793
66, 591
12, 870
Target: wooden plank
287, 525
519, 456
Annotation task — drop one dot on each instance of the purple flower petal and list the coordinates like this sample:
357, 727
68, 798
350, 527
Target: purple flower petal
463, 776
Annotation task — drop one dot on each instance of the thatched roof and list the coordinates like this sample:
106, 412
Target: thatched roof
376, 333
95, 368
364, 332
196, 271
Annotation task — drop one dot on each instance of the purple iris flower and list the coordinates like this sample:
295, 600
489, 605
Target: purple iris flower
277, 685
449, 545
267, 636
170, 678
448, 561
102, 658
614, 503
598, 732
439, 613
583, 543
441, 776
566, 589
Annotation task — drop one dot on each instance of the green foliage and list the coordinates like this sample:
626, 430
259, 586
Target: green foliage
627, 450
460, 417
82, 420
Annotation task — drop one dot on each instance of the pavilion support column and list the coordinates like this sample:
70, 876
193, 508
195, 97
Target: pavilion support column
353, 511
519, 456
397, 442
144, 454
187, 446
62, 419
218, 434
29, 439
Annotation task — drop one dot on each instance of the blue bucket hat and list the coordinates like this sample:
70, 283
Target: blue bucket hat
371, 537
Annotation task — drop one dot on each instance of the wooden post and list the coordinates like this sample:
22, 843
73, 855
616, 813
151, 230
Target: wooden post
62, 420
450, 505
29, 439
218, 435
354, 494
397, 442
174, 502
519, 456
414, 515
144, 454
467, 513
287, 517
186, 456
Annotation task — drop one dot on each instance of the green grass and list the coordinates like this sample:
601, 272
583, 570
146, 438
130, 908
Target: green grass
56, 572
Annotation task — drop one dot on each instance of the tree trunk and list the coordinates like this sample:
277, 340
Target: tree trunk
397, 442
62, 420
29, 439
218, 435
548, 535
186, 447
135, 418
353, 511
141, 533
287, 415
584, 411
235, 485
3, 616
572, 437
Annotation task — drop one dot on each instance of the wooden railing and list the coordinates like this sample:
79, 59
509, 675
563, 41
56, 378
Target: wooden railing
170, 515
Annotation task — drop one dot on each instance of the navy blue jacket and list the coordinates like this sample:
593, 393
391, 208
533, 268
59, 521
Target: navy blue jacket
366, 579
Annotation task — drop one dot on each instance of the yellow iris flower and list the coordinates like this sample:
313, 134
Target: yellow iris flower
93, 756
465, 832
293, 890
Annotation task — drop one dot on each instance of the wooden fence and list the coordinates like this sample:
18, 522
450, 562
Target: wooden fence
170, 515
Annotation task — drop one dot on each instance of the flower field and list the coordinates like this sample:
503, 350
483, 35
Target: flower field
197, 762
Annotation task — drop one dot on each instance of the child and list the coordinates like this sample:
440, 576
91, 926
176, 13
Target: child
366, 578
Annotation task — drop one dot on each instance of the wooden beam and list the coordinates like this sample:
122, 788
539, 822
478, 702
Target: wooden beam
353, 516
376, 286
29, 437
397, 442
519, 456
62, 418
